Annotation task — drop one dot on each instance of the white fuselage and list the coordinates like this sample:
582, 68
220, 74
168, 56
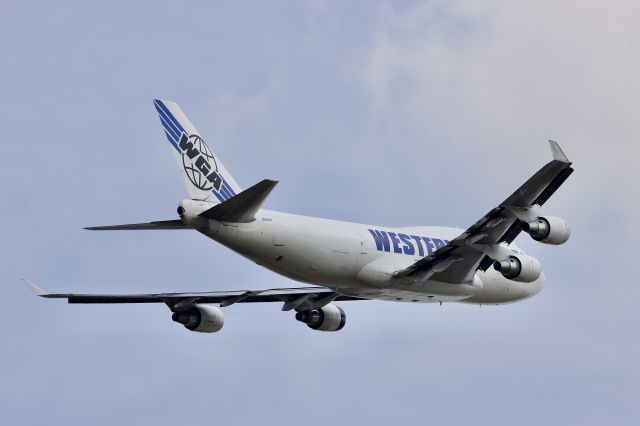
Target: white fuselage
347, 258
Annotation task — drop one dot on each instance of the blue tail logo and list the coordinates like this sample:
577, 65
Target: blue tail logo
203, 172
199, 163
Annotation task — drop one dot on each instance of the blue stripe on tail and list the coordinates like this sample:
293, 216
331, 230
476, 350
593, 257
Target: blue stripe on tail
226, 185
160, 106
173, 130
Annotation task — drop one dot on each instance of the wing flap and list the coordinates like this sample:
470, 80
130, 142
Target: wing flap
539, 188
553, 186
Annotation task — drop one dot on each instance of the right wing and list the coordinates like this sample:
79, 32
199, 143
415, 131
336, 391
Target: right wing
458, 261
293, 298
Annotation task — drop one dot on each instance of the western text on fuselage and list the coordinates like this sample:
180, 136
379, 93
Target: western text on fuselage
397, 242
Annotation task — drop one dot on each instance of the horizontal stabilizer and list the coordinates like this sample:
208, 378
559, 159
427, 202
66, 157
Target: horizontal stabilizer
242, 208
161, 224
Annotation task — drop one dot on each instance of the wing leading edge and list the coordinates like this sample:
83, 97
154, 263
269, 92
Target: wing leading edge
458, 261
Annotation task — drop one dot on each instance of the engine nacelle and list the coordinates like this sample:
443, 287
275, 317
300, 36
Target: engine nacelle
328, 318
519, 268
200, 318
548, 230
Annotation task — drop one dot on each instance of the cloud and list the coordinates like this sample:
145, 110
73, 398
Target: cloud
495, 78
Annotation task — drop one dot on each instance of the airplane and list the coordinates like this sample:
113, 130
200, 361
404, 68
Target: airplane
342, 261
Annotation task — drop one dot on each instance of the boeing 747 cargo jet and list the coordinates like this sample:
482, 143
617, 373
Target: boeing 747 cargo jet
344, 261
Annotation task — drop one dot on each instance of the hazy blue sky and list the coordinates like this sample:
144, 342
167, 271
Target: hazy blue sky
391, 113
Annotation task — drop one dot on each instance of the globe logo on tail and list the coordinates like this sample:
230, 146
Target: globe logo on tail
199, 163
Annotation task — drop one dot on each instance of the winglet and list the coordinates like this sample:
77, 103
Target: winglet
37, 290
557, 152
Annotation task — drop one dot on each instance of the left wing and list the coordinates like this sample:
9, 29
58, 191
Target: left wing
293, 298
478, 246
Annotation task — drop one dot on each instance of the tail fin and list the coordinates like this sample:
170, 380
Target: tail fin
202, 171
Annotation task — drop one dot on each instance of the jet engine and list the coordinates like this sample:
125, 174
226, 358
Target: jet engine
201, 318
519, 268
548, 230
328, 318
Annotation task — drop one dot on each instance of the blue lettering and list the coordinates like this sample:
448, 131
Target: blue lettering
438, 243
419, 244
395, 241
187, 147
429, 244
408, 248
404, 243
381, 239
203, 165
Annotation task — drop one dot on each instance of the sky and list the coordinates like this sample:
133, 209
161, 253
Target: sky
393, 113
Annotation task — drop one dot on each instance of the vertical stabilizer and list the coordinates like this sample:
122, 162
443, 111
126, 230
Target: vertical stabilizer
203, 173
